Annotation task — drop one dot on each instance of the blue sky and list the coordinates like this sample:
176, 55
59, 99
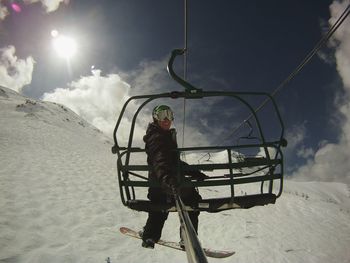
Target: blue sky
233, 45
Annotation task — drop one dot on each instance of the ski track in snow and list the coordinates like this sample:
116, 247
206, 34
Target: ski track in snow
60, 202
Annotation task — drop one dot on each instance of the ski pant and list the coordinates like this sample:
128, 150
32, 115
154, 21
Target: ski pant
156, 219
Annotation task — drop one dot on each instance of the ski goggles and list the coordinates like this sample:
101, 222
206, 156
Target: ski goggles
164, 114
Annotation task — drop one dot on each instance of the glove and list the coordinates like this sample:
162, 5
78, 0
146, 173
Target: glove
199, 176
168, 183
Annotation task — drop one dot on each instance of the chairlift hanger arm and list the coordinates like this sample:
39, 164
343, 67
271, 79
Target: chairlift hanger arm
188, 87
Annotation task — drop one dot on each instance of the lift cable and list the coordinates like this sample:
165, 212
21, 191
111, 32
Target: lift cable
284, 83
306, 60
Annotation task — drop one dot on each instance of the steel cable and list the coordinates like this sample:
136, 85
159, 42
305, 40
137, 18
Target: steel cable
306, 60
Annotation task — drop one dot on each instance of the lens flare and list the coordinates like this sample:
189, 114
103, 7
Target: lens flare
15, 7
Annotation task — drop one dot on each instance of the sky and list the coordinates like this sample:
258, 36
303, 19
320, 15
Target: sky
123, 48
59, 202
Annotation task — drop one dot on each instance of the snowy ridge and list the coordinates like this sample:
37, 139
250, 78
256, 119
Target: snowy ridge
59, 202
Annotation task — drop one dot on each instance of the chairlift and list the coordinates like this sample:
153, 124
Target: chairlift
265, 170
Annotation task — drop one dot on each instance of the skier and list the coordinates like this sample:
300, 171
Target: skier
160, 145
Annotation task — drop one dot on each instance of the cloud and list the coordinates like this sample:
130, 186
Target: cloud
305, 153
295, 136
50, 5
98, 99
150, 77
15, 73
331, 161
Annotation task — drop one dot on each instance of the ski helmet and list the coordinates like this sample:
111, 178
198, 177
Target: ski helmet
162, 112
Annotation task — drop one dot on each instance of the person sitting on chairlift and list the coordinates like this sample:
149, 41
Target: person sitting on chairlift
161, 145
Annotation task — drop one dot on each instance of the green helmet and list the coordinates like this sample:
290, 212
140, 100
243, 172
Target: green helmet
162, 112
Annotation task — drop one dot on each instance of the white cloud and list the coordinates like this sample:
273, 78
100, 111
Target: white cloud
98, 99
305, 153
331, 162
50, 5
14, 73
3, 12
150, 77
295, 136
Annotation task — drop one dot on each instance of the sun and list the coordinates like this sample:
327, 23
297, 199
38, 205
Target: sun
65, 46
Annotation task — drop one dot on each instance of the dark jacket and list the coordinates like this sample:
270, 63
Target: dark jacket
162, 156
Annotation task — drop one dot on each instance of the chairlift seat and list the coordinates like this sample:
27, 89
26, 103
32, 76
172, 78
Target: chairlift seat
208, 205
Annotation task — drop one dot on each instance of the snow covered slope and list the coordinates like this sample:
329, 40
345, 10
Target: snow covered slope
59, 202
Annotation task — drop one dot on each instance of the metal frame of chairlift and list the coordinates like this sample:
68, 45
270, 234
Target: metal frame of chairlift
268, 169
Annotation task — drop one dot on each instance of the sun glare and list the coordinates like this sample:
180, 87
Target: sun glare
65, 47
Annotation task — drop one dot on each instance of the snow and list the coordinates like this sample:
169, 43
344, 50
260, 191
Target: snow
59, 202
